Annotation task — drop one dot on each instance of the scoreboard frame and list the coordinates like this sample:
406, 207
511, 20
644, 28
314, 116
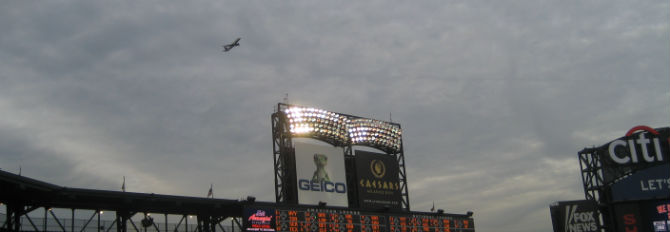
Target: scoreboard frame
387, 138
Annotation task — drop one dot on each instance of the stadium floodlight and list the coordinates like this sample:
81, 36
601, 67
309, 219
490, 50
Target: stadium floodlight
375, 133
342, 129
311, 122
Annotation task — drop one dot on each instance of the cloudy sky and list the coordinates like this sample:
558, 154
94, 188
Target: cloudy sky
495, 97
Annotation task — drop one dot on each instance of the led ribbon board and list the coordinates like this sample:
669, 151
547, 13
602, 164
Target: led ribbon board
340, 129
344, 220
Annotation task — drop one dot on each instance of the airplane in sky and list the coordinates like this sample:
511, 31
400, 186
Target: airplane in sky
227, 47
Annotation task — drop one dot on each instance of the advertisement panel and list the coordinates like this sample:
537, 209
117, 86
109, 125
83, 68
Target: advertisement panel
643, 216
259, 219
659, 215
651, 183
574, 216
377, 180
321, 174
628, 218
641, 148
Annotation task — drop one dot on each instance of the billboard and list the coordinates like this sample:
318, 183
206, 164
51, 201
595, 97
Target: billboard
377, 180
574, 216
659, 215
320, 174
643, 216
650, 183
642, 147
259, 219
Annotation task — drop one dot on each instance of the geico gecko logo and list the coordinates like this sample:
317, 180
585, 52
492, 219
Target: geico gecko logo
646, 147
320, 181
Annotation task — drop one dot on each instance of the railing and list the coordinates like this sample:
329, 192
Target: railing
84, 225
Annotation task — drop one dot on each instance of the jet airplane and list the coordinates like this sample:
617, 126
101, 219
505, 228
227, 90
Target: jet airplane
227, 47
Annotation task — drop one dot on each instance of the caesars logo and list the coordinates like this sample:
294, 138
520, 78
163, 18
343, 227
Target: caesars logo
646, 148
378, 170
579, 221
320, 181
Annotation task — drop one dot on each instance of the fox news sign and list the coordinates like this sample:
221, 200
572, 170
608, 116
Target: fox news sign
574, 216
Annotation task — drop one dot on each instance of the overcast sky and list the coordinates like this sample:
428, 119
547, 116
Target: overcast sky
495, 97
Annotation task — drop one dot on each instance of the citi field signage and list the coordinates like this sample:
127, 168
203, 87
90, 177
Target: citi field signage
650, 183
641, 145
641, 148
320, 174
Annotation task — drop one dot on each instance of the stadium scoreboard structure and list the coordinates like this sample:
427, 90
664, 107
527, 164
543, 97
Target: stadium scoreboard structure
336, 172
317, 160
626, 185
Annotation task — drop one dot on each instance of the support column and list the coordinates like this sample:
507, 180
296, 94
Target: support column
121, 221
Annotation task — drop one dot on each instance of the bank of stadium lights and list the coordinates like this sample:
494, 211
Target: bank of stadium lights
375, 133
304, 121
317, 122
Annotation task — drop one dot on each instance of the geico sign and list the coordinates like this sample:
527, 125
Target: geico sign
645, 145
322, 186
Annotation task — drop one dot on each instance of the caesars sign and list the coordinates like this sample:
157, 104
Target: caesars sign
642, 147
320, 174
574, 216
378, 183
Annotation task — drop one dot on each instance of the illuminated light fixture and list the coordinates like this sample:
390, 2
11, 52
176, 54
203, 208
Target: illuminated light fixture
375, 133
316, 123
342, 129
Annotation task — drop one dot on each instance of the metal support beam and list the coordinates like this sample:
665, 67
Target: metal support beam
89, 221
57, 221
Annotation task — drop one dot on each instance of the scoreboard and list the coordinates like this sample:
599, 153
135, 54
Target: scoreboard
339, 220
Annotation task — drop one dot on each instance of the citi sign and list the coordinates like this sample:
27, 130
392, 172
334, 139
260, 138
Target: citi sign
646, 148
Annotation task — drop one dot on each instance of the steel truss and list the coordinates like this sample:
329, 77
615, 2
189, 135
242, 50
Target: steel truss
13, 222
21, 196
595, 189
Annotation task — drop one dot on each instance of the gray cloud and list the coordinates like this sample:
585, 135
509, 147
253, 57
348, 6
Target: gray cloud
495, 98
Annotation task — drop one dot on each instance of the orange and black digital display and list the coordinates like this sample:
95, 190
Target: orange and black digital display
337, 220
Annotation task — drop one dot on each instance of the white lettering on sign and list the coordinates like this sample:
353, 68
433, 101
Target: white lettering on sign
579, 221
634, 157
654, 184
